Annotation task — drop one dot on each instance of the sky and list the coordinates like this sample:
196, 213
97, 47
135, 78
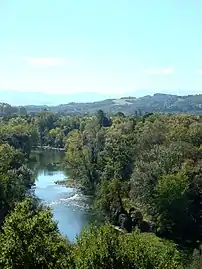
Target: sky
110, 47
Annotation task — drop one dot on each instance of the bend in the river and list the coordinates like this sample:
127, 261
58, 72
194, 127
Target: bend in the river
70, 208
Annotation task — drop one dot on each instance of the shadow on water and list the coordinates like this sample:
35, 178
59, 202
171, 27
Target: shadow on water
71, 210
46, 160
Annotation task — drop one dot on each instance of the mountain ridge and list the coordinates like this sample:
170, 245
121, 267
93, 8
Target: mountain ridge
158, 102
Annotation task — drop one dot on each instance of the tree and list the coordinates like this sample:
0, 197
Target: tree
145, 251
30, 239
118, 156
83, 154
109, 197
56, 137
102, 119
15, 177
19, 133
96, 248
104, 247
45, 121
172, 205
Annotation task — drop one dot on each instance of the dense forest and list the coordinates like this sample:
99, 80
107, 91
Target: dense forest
144, 173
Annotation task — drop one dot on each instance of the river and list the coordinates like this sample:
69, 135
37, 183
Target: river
70, 208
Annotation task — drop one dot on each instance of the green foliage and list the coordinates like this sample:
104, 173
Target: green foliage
103, 121
96, 154
166, 179
83, 154
172, 204
56, 137
15, 177
30, 239
53, 130
196, 260
154, 161
150, 156
109, 197
104, 247
118, 150
9, 158
96, 248
144, 251
20, 133
171, 189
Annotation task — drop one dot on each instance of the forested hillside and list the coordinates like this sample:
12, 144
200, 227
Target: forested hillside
130, 105
144, 173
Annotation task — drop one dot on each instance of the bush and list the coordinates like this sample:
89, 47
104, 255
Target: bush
106, 248
30, 239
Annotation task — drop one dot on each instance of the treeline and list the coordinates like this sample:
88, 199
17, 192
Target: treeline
7, 110
146, 168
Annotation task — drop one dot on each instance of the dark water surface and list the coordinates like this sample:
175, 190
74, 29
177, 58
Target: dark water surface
70, 208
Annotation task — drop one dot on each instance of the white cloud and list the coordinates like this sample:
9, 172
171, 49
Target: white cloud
44, 61
159, 71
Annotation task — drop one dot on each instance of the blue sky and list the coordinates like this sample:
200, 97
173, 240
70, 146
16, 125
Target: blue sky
111, 46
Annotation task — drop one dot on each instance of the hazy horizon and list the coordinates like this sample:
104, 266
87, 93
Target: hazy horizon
21, 98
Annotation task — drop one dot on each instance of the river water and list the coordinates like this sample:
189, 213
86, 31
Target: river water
70, 208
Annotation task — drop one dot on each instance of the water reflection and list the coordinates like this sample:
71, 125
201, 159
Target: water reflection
70, 208
47, 160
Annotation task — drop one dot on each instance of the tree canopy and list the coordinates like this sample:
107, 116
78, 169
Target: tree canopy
144, 173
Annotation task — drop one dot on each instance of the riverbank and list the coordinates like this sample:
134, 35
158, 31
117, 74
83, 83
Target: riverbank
70, 208
48, 147
71, 183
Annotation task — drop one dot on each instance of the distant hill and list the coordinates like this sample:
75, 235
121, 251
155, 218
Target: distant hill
7, 110
129, 105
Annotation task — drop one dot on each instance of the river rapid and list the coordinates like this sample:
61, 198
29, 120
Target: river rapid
71, 210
